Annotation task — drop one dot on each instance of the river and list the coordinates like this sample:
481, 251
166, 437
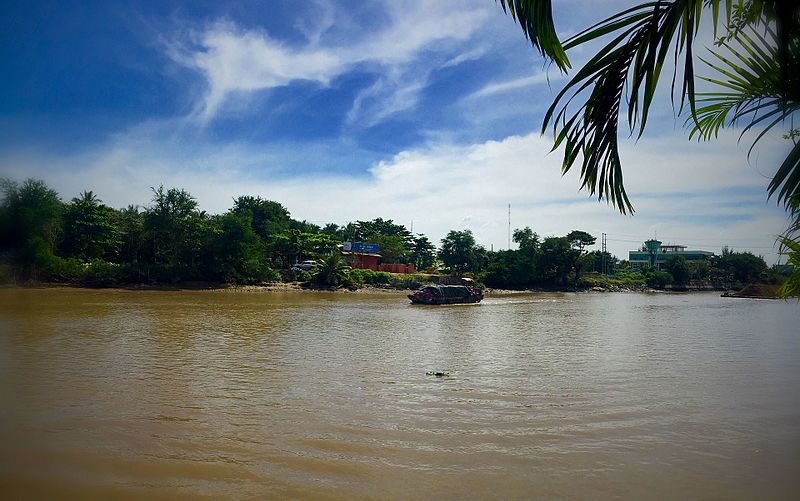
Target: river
297, 395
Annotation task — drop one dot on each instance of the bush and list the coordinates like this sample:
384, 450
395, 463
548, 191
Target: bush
59, 269
6, 274
270, 275
405, 281
100, 273
299, 276
133, 273
360, 277
659, 279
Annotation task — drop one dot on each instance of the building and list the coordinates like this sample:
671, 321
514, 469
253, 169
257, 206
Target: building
366, 256
655, 254
363, 260
362, 255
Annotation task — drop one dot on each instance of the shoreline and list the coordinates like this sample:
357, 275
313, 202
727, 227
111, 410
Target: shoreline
299, 287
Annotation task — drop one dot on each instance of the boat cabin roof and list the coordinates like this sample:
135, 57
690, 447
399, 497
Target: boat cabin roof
447, 290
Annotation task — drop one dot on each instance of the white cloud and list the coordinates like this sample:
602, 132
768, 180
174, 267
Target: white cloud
246, 61
514, 84
313, 27
234, 60
702, 195
463, 57
388, 96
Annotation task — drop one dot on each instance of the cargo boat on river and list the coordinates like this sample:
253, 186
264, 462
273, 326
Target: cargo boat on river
446, 294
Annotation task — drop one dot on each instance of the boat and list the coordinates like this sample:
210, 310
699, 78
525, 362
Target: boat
446, 294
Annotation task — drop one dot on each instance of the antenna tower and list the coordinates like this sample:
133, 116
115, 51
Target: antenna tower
509, 226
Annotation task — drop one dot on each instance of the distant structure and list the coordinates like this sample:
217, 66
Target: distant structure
655, 254
366, 256
362, 255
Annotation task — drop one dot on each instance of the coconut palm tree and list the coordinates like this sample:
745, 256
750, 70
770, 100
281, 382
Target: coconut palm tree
332, 270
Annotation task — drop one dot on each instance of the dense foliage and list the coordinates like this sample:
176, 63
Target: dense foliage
171, 240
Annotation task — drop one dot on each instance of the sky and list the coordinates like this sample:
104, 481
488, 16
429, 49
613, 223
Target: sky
420, 111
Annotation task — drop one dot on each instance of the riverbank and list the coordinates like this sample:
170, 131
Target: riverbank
302, 287
756, 291
220, 288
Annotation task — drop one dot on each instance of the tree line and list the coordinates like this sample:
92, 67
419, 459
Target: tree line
171, 240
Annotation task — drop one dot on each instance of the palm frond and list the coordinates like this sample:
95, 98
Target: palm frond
536, 19
791, 287
641, 39
643, 36
753, 94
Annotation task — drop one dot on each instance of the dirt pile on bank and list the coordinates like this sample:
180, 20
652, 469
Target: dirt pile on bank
759, 291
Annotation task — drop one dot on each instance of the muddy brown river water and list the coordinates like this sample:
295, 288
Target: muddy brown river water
290, 395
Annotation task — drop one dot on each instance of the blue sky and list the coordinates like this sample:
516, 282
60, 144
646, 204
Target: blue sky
425, 112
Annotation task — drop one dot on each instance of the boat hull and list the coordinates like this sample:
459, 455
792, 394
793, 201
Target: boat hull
445, 300
449, 294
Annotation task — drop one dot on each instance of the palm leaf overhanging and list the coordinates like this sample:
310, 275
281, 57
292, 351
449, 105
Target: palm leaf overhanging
641, 38
751, 91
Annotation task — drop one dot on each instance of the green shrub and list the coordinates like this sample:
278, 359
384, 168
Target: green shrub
299, 276
133, 273
59, 269
405, 281
359, 277
100, 273
271, 275
659, 279
6, 274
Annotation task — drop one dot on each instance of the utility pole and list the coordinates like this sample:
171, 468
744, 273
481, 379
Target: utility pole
603, 253
509, 226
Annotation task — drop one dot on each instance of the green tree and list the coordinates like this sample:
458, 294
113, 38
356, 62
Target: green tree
460, 253
393, 248
558, 258
30, 226
335, 231
658, 279
678, 267
289, 246
599, 258
130, 223
178, 235
738, 267
423, 253
239, 255
90, 230
527, 239
268, 218
380, 226
579, 240
28, 211
791, 287
395, 241
332, 270
525, 265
